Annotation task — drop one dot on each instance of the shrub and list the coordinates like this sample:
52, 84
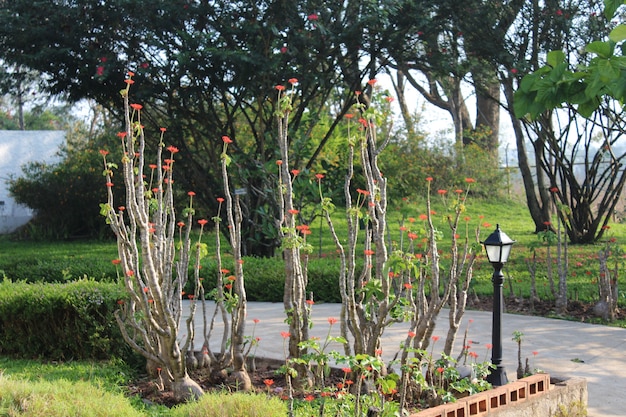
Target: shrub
61, 321
232, 404
60, 398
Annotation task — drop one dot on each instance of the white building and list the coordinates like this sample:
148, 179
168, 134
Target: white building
17, 148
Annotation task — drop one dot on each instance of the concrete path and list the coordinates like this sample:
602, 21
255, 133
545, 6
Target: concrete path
564, 348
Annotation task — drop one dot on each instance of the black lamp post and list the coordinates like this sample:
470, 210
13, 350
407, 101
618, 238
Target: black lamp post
498, 247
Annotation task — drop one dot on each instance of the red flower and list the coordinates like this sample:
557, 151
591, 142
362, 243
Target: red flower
295, 172
293, 211
163, 129
554, 190
411, 334
121, 134
313, 17
136, 106
202, 222
220, 200
130, 273
332, 320
191, 193
121, 208
256, 321
368, 252
226, 139
280, 87
293, 81
103, 152
172, 149
429, 179
319, 176
279, 162
309, 398
310, 302
268, 382
440, 370
116, 261
285, 335
372, 81
152, 166
109, 184
435, 338
349, 116
470, 180
129, 81
442, 192
408, 285
180, 224
131, 74
364, 192
228, 286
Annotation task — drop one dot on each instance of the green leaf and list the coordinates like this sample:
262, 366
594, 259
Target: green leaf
602, 49
611, 6
618, 34
555, 58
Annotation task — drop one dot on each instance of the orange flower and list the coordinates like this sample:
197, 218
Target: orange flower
116, 261
202, 222
136, 106
163, 129
220, 200
293, 81
429, 179
293, 211
103, 152
372, 81
268, 382
172, 149
191, 193
411, 334
285, 335
319, 176
226, 139
279, 162
332, 320
295, 172
470, 180
280, 87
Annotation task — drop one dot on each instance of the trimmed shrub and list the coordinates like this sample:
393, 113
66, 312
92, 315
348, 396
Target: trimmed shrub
61, 321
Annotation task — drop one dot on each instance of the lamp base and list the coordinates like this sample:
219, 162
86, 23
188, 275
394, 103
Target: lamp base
497, 377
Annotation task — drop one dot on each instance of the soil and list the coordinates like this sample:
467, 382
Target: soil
148, 390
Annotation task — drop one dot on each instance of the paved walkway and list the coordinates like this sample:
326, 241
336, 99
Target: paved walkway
596, 353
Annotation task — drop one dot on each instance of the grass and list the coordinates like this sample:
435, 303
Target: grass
59, 261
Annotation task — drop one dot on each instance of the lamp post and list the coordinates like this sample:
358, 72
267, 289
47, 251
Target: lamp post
498, 247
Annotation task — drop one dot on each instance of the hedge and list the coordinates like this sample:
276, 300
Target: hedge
66, 321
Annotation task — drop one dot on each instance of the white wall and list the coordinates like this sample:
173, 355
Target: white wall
17, 148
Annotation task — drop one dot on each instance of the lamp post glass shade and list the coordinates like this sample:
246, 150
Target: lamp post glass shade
498, 246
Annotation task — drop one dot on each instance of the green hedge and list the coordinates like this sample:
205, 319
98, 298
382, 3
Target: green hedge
61, 321
265, 279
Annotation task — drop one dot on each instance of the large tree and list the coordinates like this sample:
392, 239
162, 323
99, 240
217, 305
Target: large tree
207, 69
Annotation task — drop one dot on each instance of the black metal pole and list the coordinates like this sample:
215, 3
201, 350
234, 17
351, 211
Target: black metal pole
498, 376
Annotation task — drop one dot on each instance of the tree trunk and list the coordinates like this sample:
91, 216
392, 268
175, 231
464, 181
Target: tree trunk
185, 388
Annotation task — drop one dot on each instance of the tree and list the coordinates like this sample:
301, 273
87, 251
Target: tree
589, 95
209, 69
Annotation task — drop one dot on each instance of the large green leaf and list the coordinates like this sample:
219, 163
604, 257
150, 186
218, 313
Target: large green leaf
618, 34
610, 6
602, 49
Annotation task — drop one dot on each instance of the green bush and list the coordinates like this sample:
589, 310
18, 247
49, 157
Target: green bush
265, 279
61, 398
61, 321
232, 404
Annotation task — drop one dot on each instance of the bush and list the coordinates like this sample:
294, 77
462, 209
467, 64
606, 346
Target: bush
61, 321
60, 398
232, 404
